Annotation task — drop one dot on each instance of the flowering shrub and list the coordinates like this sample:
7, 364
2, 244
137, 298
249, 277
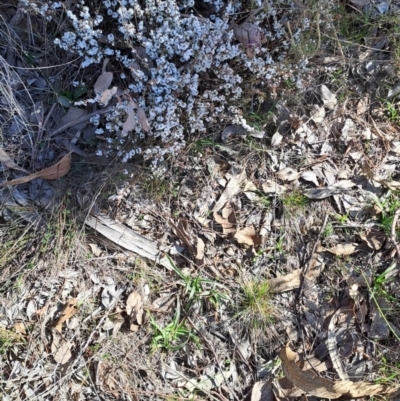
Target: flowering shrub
182, 66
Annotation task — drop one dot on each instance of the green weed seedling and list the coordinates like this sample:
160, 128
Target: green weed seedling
377, 289
7, 339
66, 97
174, 335
328, 231
342, 218
197, 289
388, 207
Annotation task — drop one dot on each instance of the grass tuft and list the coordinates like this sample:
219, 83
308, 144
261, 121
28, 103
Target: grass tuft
256, 311
294, 200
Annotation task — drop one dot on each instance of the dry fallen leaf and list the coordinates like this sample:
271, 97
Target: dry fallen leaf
8, 161
310, 383
248, 236
107, 95
292, 280
273, 187
227, 220
287, 174
310, 176
276, 139
234, 187
262, 391
95, 249
69, 310
20, 328
51, 173
103, 82
374, 238
130, 122
134, 307
61, 352
143, 119
200, 249
328, 98
343, 249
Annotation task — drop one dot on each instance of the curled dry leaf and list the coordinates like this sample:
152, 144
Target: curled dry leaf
227, 220
130, 122
292, 280
310, 176
200, 249
107, 95
273, 187
134, 308
51, 173
276, 139
69, 310
8, 162
262, 391
248, 236
343, 249
310, 383
287, 174
20, 328
328, 98
374, 238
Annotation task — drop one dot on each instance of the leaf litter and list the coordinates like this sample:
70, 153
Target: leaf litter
224, 221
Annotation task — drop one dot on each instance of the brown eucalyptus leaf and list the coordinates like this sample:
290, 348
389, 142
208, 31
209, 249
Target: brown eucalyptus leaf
227, 220
103, 82
61, 352
8, 161
343, 249
134, 307
69, 310
234, 187
374, 238
248, 236
51, 173
310, 383
200, 249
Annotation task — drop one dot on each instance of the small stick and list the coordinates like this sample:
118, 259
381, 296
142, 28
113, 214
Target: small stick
393, 234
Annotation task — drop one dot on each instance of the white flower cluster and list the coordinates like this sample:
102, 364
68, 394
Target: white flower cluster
181, 67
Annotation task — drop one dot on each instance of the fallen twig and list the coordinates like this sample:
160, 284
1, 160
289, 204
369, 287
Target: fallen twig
393, 234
